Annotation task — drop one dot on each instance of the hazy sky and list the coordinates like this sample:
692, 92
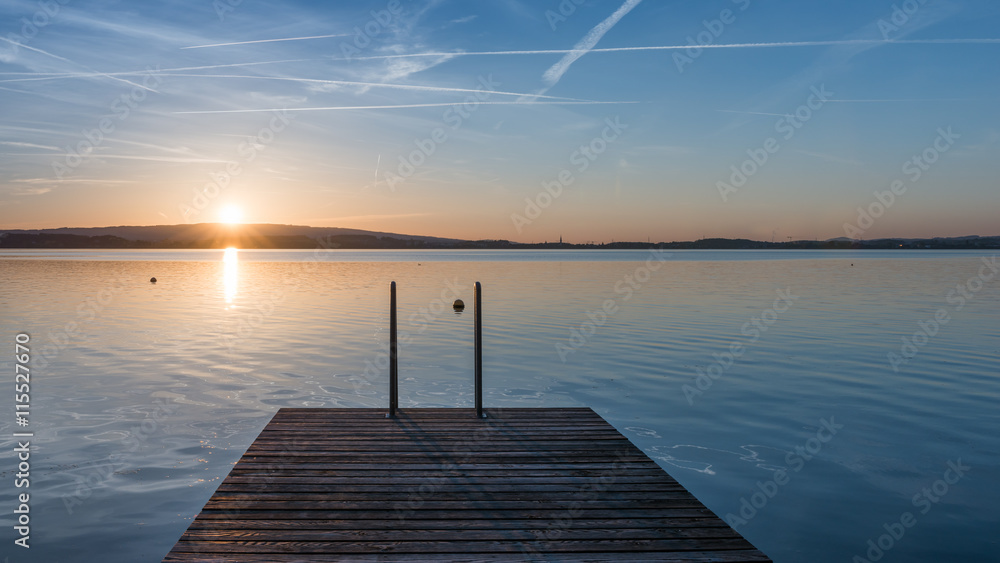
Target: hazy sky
440, 117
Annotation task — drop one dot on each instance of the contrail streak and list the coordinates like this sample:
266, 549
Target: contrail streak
585, 45
369, 85
16, 90
64, 59
46, 53
901, 100
266, 41
171, 72
400, 106
750, 112
985, 41
127, 157
59, 76
377, 164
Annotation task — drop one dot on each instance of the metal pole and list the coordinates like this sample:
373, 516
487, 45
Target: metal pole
479, 351
393, 367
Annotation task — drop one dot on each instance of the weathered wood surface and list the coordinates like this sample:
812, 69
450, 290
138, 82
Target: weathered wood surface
440, 485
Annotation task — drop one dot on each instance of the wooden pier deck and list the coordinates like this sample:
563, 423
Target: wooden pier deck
441, 485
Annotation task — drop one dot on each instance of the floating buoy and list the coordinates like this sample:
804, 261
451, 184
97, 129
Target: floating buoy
459, 305
152, 280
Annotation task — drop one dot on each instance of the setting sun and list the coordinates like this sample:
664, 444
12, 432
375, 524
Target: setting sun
231, 214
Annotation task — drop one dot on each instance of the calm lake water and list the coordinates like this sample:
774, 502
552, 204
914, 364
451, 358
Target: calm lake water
141, 409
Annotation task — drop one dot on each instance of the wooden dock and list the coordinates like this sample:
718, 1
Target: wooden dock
441, 485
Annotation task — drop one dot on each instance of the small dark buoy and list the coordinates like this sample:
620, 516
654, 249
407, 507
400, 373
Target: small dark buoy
459, 305
152, 280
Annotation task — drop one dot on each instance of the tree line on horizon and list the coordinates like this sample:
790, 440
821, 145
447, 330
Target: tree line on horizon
292, 242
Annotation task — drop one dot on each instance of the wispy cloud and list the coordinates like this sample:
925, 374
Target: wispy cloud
183, 151
29, 145
30, 48
366, 85
267, 41
405, 37
399, 106
63, 59
67, 75
398, 68
151, 158
70, 181
135, 157
371, 217
30, 191
835, 59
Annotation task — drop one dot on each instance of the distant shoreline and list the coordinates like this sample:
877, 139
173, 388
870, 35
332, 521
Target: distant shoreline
262, 236
44, 240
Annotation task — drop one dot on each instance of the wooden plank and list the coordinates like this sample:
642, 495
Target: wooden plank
453, 535
441, 485
322, 486
542, 517
461, 547
462, 524
688, 557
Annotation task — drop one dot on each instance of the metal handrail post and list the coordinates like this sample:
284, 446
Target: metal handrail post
479, 351
393, 357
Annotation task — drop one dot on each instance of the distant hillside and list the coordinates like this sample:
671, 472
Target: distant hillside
215, 235
268, 236
211, 231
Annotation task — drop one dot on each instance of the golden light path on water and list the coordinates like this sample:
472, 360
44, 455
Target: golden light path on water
231, 273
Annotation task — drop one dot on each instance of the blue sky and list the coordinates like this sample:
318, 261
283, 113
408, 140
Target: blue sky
446, 118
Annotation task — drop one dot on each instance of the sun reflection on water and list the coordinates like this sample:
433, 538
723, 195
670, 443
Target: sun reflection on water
231, 274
